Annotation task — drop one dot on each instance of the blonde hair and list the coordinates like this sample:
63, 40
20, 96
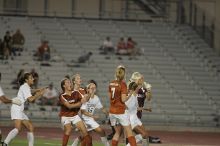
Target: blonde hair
120, 73
74, 77
135, 76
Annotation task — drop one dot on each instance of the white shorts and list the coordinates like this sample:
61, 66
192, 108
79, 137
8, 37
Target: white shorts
122, 119
91, 124
18, 113
68, 120
135, 121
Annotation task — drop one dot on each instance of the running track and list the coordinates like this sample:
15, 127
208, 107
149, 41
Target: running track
169, 138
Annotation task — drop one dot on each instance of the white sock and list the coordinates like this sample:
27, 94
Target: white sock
145, 142
11, 135
138, 138
76, 141
30, 137
105, 141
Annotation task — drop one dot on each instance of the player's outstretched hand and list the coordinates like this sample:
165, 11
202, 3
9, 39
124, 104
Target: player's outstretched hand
148, 109
16, 101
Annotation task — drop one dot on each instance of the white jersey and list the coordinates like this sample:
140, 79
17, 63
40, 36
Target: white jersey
1, 91
132, 105
91, 105
23, 93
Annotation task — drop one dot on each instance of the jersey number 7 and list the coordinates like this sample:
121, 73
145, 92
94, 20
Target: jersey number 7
113, 93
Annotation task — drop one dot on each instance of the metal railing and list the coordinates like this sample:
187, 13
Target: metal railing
67, 14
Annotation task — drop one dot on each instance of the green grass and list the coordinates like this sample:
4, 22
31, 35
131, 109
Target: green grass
44, 142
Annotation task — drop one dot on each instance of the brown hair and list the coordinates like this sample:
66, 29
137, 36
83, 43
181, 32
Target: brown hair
62, 83
23, 78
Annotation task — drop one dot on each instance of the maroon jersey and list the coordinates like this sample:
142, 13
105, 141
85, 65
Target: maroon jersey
141, 99
73, 98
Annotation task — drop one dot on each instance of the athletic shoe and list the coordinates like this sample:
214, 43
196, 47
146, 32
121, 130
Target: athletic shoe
4, 144
110, 136
154, 139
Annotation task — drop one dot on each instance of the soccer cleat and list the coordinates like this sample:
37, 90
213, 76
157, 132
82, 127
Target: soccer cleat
110, 136
154, 139
4, 144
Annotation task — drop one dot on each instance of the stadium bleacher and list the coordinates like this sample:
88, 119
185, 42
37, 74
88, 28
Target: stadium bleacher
183, 70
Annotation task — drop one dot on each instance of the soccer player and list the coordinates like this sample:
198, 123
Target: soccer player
7, 100
136, 124
118, 97
87, 110
143, 93
77, 81
71, 101
17, 112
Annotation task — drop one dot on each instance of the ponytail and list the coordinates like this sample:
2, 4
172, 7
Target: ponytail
23, 78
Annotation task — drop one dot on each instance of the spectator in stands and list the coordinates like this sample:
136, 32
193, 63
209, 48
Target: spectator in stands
44, 51
50, 96
82, 59
36, 78
131, 46
7, 45
85, 57
107, 46
1, 49
121, 47
18, 42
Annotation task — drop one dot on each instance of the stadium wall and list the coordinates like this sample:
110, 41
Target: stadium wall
112, 9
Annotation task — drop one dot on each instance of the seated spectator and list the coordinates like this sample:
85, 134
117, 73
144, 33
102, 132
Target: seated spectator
132, 48
6, 52
121, 47
107, 46
36, 78
17, 42
1, 49
85, 57
7, 45
82, 59
130, 45
50, 96
44, 51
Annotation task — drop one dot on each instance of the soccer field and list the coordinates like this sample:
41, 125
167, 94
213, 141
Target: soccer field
43, 142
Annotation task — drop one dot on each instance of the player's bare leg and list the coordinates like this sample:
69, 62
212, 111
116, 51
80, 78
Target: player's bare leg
129, 135
116, 136
102, 134
67, 132
142, 135
86, 139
